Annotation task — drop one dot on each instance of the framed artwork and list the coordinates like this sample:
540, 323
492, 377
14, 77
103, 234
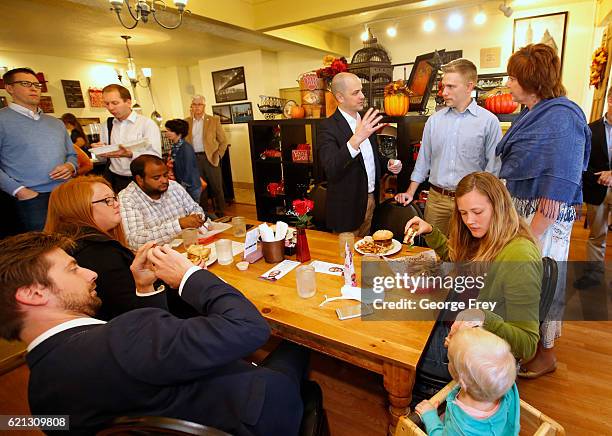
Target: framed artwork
548, 29
73, 93
422, 77
224, 112
95, 97
486, 82
242, 112
3, 102
229, 85
46, 104
88, 120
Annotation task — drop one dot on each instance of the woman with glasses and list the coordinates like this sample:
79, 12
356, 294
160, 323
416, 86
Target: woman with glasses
86, 209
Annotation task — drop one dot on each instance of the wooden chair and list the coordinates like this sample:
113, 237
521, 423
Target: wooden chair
410, 425
392, 216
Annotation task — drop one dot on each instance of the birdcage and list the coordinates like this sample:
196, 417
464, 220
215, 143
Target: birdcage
372, 64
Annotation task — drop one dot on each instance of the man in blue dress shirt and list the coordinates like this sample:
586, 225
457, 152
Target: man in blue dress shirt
457, 140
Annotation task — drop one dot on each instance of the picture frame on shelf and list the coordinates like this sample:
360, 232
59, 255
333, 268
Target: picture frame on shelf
224, 112
549, 29
242, 112
229, 85
422, 77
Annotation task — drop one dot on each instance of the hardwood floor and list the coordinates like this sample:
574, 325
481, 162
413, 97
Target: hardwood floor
578, 395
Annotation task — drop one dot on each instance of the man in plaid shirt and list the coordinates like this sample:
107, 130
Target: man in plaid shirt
154, 208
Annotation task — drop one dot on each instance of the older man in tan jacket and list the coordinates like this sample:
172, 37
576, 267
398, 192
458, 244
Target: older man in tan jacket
209, 142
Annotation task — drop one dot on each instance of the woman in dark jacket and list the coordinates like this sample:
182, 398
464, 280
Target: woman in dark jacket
86, 208
184, 164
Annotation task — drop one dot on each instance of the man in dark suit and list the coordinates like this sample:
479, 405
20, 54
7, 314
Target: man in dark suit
348, 152
143, 362
597, 193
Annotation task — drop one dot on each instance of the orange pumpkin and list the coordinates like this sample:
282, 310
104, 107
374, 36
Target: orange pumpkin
501, 104
297, 112
396, 105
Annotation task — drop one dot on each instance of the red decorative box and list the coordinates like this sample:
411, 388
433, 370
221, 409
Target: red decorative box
300, 155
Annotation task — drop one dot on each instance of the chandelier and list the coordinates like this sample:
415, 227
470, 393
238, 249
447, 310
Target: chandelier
144, 8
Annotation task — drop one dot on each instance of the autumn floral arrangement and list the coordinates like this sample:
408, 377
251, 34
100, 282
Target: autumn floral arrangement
331, 67
299, 211
397, 98
598, 66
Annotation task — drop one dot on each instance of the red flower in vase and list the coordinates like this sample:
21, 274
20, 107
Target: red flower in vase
300, 211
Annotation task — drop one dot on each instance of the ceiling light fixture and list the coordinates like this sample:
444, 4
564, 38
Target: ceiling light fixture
392, 31
455, 21
143, 8
429, 25
365, 35
506, 10
480, 18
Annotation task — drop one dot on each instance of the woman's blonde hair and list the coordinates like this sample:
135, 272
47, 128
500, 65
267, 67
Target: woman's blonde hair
70, 209
504, 227
482, 363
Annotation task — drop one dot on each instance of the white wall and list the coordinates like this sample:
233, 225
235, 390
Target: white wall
411, 41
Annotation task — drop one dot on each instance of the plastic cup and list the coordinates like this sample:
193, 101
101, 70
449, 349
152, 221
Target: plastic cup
239, 225
190, 237
306, 281
343, 238
224, 252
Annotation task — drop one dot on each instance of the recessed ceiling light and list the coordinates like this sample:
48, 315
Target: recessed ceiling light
392, 31
455, 21
480, 18
429, 25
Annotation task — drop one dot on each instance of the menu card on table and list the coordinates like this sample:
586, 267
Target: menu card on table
279, 270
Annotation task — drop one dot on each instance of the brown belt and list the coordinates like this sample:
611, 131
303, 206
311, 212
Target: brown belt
442, 191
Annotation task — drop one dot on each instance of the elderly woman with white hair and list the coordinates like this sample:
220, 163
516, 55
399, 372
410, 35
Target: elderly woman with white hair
209, 142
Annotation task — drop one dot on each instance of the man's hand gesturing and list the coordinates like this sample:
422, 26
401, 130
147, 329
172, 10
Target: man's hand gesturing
369, 124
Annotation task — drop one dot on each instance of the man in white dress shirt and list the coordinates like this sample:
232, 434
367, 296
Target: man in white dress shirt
126, 126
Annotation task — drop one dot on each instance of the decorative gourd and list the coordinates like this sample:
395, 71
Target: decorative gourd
297, 112
396, 105
501, 104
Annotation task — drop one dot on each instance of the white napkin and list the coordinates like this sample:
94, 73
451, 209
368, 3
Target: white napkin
281, 230
266, 233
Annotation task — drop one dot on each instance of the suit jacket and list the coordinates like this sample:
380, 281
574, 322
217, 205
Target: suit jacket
593, 192
215, 142
147, 362
115, 284
347, 180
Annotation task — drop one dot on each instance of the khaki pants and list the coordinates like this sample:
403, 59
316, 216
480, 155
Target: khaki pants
597, 216
364, 229
438, 210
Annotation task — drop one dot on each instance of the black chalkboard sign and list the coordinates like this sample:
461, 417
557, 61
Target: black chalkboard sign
73, 93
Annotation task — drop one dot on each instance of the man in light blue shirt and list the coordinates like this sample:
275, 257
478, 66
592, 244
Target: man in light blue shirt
458, 140
36, 153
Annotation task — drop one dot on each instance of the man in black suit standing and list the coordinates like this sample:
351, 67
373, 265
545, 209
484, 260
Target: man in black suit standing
349, 155
143, 362
597, 192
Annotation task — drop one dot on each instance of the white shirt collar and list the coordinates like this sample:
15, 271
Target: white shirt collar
131, 118
25, 111
61, 327
349, 119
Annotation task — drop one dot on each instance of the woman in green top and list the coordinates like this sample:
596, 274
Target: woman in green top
485, 227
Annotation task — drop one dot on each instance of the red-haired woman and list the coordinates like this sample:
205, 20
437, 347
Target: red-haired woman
543, 156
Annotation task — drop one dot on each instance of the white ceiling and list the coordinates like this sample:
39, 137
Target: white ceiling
91, 31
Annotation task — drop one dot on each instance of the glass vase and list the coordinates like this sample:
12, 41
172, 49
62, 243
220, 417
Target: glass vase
302, 252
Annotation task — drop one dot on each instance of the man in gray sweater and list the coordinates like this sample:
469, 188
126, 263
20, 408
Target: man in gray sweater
36, 153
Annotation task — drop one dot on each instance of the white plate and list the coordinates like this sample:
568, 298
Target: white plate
395, 247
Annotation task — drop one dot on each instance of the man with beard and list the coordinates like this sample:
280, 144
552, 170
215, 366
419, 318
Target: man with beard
36, 153
154, 208
146, 361
457, 140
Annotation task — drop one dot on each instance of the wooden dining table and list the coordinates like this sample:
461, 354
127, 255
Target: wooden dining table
390, 348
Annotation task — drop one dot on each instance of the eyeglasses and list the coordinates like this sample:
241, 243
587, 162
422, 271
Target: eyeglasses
27, 84
110, 201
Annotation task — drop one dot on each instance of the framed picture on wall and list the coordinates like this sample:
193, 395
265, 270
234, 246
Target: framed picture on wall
46, 104
242, 112
3, 102
422, 77
548, 29
229, 85
224, 112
